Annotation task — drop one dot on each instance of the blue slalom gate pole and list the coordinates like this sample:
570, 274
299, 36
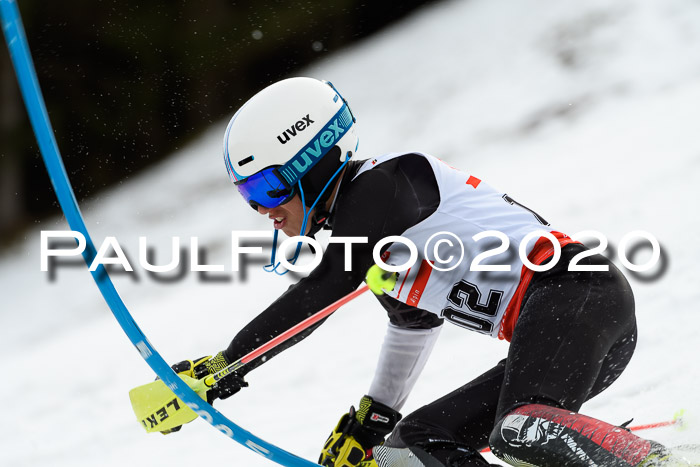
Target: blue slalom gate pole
34, 102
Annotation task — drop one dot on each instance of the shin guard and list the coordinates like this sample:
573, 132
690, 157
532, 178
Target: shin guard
548, 436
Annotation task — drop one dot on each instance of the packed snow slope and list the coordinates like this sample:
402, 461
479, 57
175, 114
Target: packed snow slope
587, 112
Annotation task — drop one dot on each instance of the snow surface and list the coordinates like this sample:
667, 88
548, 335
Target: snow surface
586, 111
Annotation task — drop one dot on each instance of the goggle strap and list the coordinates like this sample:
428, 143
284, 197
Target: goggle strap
284, 181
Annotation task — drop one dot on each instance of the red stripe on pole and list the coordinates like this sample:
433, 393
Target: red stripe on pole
296, 329
653, 425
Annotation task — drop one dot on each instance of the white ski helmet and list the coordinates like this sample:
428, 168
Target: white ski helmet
291, 137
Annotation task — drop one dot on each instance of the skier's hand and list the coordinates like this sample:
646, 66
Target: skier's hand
357, 432
205, 366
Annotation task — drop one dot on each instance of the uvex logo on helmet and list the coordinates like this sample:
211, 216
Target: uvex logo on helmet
300, 125
321, 143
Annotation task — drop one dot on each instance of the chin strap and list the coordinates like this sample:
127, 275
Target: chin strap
272, 266
317, 221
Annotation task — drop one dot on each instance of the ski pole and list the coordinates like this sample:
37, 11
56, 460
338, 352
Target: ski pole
676, 420
376, 280
209, 381
155, 406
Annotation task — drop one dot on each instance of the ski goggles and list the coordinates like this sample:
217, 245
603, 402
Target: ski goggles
274, 186
266, 188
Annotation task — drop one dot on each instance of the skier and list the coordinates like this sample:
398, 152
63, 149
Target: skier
290, 151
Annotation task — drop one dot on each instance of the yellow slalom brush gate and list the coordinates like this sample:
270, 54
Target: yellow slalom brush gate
158, 409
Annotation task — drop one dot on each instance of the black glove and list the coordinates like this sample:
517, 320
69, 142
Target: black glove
205, 366
357, 432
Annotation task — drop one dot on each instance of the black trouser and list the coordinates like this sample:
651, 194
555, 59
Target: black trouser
575, 335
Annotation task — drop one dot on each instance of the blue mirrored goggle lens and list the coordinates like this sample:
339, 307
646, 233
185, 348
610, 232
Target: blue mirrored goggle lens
265, 189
